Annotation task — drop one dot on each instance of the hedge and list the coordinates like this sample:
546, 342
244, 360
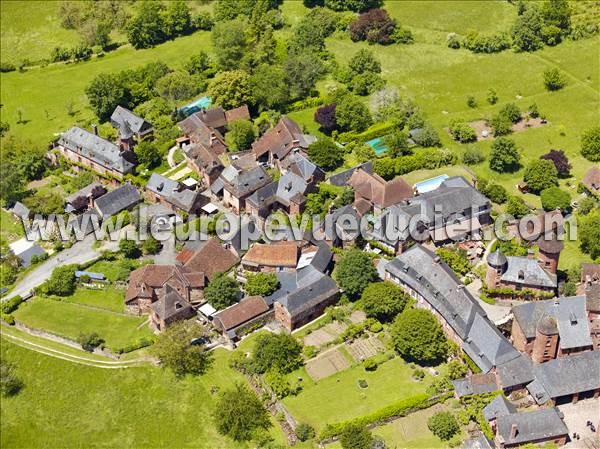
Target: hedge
470, 363
398, 409
10, 305
525, 293
430, 159
142, 343
374, 131
307, 103
8, 319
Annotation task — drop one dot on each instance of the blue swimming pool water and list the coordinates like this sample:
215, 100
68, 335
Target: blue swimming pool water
430, 184
378, 145
197, 105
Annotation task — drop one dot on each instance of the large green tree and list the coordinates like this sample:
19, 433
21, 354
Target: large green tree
240, 135
178, 85
590, 144
355, 436
383, 300
222, 291
230, 39
354, 272
443, 425
147, 27
302, 72
231, 89
61, 282
554, 198
280, 352
105, 93
263, 284
351, 114
239, 414
269, 87
325, 153
504, 155
176, 350
148, 153
589, 234
418, 337
527, 30
540, 174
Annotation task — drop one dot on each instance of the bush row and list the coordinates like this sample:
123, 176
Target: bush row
388, 167
507, 291
376, 130
10, 305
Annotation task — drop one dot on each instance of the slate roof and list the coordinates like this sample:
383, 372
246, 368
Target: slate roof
497, 259
95, 148
541, 424
525, 271
423, 271
85, 192
242, 312
123, 197
171, 305
499, 406
304, 167
323, 257
333, 225
379, 191
341, 179
518, 371
135, 123
567, 375
172, 191
480, 442
569, 314
27, 254
246, 182
289, 188
87, 221
302, 290
475, 384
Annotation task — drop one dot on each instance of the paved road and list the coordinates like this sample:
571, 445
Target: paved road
80, 252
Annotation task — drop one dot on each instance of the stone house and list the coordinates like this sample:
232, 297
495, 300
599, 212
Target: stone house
249, 312
125, 197
278, 142
234, 185
131, 127
174, 195
170, 308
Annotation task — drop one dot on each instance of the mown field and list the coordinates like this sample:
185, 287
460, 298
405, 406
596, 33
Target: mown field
68, 405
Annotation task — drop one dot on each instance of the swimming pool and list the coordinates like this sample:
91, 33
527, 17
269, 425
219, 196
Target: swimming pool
378, 145
430, 184
195, 106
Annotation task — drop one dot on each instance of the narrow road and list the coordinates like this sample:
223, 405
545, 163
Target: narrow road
170, 156
80, 252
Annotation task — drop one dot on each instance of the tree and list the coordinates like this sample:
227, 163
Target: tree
352, 114
527, 30
504, 155
355, 436
374, 26
418, 337
463, 132
383, 300
325, 117
177, 85
230, 39
269, 87
554, 198
230, 9
364, 61
305, 432
239, 414
199, 64
105, 93
590, 144
177, 349
589, 234
129, 249
325, 153
222, 291
302, 72
557, 13
62, 281
501, 125
427, 137
540, 174
10, 384
516, 207
352, 5
240, 135
560, 160
147, 153
397, 143
443, 425
45, 203
147, 27
554, 79
495, 192
263, 284
89, 341
457, 260
354, 272
280, 352
230, 89
511, 111
177, 19
151, 246
473, 156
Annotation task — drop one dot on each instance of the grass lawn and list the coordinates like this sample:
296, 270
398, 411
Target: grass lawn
67, 405
113, 270
69, 319
11, 228
109, 298
338, 397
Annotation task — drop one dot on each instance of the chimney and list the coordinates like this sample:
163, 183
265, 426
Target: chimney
95, 128
513, 431
91, 201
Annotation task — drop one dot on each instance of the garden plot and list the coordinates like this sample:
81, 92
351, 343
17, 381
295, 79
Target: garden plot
358, 316
325, 335
363, 348
326, 364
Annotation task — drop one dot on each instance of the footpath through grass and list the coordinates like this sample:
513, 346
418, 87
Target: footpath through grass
68, 405
69, 320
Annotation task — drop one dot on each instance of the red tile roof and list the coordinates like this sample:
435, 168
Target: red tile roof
280, 254
377, 190
242, 312
211, 258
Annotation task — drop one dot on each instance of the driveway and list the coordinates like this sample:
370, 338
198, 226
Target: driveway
80, 252
168, 253
576, 417
496, 313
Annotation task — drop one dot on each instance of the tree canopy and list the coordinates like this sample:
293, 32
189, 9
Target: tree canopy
280, 352
231, 89
504, 155
325, 153
418, 337
540, 174
590, 144
354, 272
555, 198
355, 436
560, 161
443, 425
62, 281
263, 284
383, 300
222, 291
240, 135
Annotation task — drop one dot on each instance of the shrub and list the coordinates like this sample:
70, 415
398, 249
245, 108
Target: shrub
10, 305
533, 110
555, 198
310, 351
496, 193
305, 432
374, 26
471, 101
452, 41
8, 319
356, 437
456, 370
463, 132
10, 384
443, 425
419, 374
456, 259
516, 207
492, 96
554, 79
540, 174
7, 67
590, 144
560, 160
473, 156
501, 125
504, 155
511, 111
486, 43
90, 341
370, 364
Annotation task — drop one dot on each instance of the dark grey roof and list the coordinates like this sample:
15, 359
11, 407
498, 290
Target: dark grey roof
265, 196
302, 290
172, 191
496, 259
424, 272
247, 227
526, 271
304, 167
323, 258
480, 442
499, 406
538, 425
33, 250
288, 187
518, 371
20, 210
86, 191
334, 221
162, 185
475, 384
341, 179
86, 222
171, 304
121, 198
569, 314
124, 119
567, 375
486, 346
95, 148
248, 181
